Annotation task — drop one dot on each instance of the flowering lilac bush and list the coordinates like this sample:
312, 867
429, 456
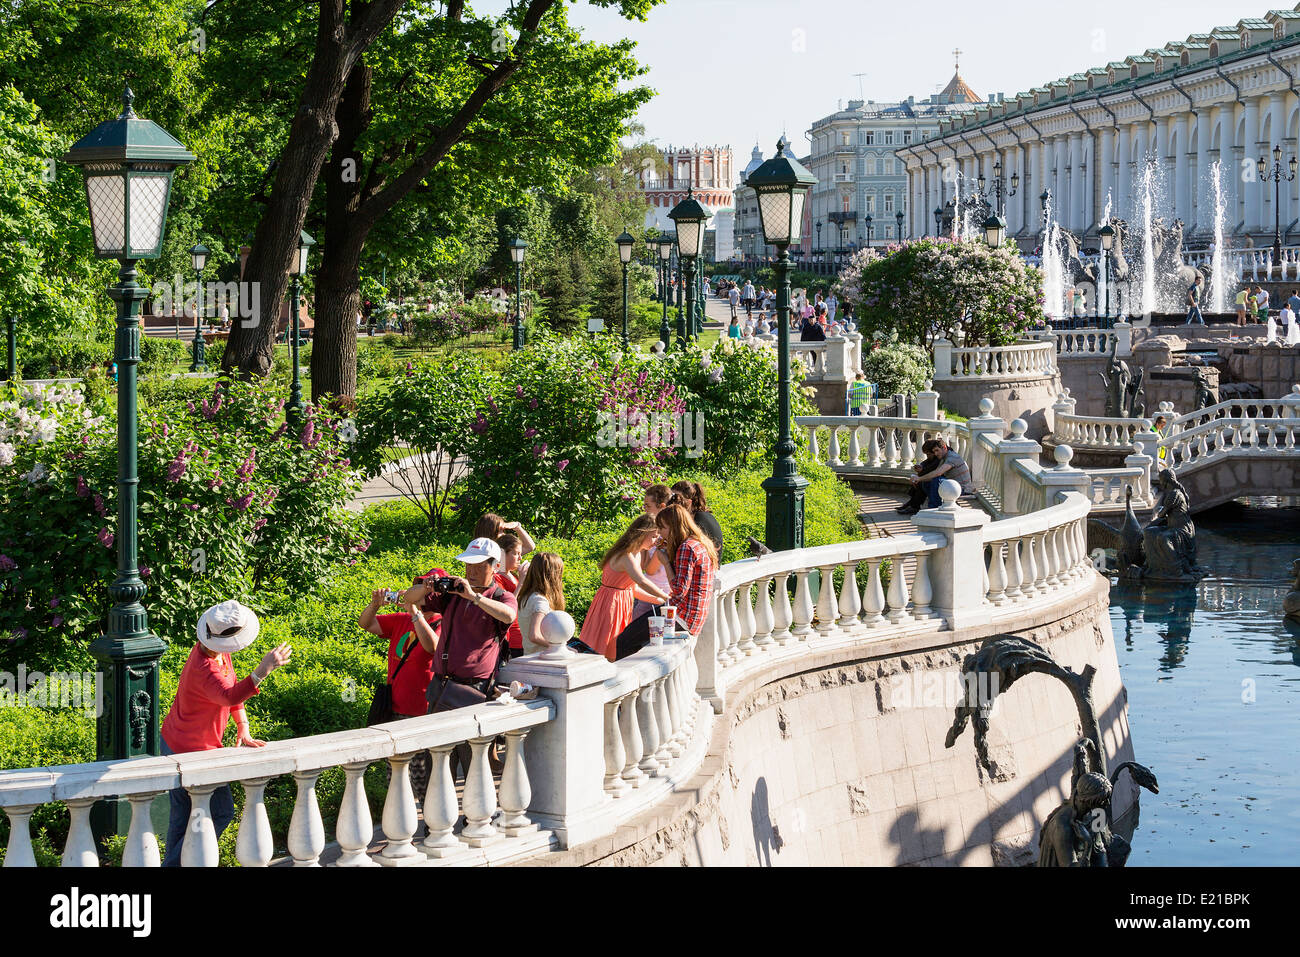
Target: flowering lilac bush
546, 448
925, 289
229, 502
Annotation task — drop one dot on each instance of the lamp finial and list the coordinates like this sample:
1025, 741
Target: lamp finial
128, 98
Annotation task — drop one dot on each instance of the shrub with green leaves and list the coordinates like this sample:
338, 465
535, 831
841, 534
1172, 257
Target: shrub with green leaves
897, 367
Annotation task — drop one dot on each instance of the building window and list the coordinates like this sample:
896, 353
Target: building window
844, 139
870, 137
907, 136
844, 167
862, 139
889, 137
871, 202
844, 204
880, 167
889, 202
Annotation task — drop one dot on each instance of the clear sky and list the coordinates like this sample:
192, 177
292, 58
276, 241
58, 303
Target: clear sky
730, 71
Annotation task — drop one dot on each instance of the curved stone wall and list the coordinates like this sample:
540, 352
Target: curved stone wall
842, 761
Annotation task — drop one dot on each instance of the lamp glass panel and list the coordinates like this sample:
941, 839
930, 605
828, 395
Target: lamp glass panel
688, 237
200, 260
148, 199
302, 260
665, 250
796, 214
107, 198
775, 208
625, 252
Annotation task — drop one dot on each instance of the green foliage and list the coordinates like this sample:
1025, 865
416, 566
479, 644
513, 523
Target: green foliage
227, 504
897, 367
925, 289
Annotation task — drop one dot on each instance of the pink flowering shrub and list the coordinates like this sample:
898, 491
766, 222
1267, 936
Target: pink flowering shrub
228, 505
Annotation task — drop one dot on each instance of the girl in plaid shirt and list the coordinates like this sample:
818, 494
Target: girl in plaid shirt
693, 559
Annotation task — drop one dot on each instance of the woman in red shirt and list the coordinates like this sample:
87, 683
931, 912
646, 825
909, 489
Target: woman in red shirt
207, 696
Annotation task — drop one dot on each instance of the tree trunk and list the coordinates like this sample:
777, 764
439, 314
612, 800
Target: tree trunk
311, 135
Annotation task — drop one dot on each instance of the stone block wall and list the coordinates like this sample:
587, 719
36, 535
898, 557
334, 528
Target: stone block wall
1274, 368
1028, 399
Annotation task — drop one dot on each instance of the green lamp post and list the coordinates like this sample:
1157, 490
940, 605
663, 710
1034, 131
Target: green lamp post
782, 185
517, 249
1107, 236
665, 245
199, 259
689, 216
297, 269
676, 272
898, 218
128, 163
626, 243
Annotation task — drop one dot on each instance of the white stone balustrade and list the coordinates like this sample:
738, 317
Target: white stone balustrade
1096, 433
876, 443
1019, 361
1093, 342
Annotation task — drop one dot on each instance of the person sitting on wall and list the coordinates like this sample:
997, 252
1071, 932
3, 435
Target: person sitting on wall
951, 465
917, 497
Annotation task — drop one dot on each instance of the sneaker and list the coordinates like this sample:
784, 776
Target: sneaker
906, 510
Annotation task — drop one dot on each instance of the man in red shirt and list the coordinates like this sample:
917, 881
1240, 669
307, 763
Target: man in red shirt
207, 695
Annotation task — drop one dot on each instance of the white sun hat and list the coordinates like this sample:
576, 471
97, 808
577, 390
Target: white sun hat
228, 627
480, 550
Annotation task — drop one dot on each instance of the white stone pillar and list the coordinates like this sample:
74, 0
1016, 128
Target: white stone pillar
958, 594
1077, 222
1254, 193
566, 756
1060, 183
1229, 156
1124, 180
1104, 159
1182, 198
1201, 188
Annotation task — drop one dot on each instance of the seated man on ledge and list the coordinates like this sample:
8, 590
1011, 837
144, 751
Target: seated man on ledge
950, 465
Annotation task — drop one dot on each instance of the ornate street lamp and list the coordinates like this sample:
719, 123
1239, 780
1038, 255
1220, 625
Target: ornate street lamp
782, 185
898, 218
689, 217
995, 230
938, 221
199, 259
626, 243
297, 269
128, 163
665, 244
1275, 174
868, 230
517, 249
1107, 236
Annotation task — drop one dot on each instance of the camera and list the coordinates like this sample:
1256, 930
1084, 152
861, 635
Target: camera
441, 586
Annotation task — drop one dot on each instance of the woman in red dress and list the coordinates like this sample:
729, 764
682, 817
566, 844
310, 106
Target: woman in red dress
622, 582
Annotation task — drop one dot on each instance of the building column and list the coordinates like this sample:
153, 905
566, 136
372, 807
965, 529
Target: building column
1089, 181
1124, 186
1200, 186
1182, 199
1077, 222
1254, 198
1104, 159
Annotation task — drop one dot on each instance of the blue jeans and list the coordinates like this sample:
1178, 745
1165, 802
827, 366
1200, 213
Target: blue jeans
222, 805
1195, 311
931, 487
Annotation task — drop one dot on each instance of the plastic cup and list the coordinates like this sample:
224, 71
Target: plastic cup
656, 630
670, 616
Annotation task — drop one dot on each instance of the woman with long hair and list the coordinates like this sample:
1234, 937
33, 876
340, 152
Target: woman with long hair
622, 582
691, 495
493, 526
542, 591
692, 562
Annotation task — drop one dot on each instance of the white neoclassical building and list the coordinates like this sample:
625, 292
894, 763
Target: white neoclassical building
1229, 95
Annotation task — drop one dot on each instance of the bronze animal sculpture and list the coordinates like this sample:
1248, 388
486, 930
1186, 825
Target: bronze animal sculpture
1127, 541
1168, 549
1125, 397
998, 663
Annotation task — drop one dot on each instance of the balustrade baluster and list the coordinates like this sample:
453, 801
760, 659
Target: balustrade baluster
1032, 585
663, 727
782, 613
803, 606
440, 808
516, 792
873, 597
673, 690
18, 852
813, 448
735, 629
141, 847
922, 593
850, 600
254, 845
80, 851
835, 446
200, 846
354, 828
1050, 559
826, 602
649, 724
632, 744
480, 797
1014, 573
907, 455
997, 574
307, 830
897, 595
873, 446
615, 756
398, 819
855, 448
764, 619
747, 624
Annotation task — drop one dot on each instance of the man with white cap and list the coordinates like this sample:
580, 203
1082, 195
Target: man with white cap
207, 696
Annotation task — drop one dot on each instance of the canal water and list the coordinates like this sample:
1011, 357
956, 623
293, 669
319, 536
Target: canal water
1213, 678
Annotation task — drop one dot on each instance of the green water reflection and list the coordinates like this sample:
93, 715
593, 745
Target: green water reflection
1213, 678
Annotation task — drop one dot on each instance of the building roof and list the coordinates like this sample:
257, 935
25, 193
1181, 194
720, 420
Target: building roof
958, 91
